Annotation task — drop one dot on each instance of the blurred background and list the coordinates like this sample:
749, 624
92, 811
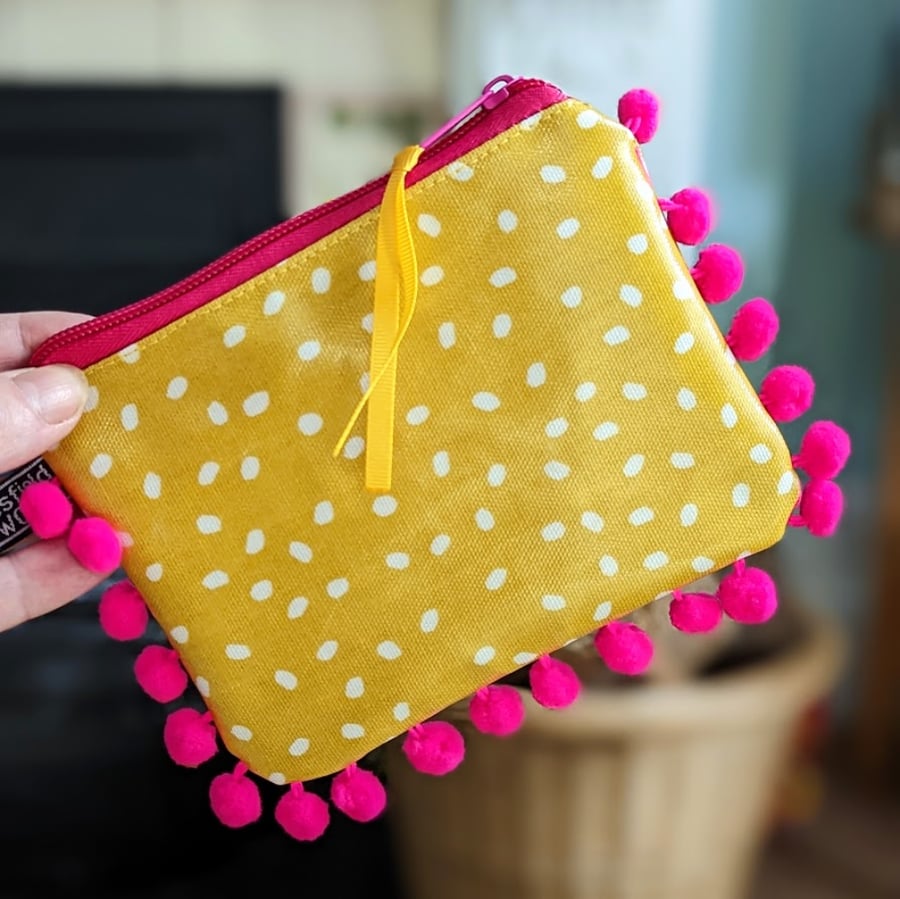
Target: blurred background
139, 139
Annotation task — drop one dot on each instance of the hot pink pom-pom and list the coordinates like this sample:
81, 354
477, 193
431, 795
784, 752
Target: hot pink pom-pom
123, 612
190, 737
748, 595
787, 392
160, 674
554, 684
303, 816
824, 450
821, 508
689, 214
359, 794
718, 273
235, 799
694, 613
753, 330
46, 509
624, 647
497, 710
95, 545
435, 747
639, 113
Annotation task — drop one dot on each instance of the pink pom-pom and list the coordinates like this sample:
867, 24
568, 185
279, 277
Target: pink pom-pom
624, 647
95, 545
554, 684
123, 612
359, 794
235, 799
787, 392
497, 710
821, 508
694, 613
46, 509
718, 273
434, 747
748, 595
190, 737
303, 816
639, 113
689, 213
824, 450
160, 674
753, 330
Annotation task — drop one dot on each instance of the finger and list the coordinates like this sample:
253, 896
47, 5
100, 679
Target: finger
38, 579
21, 333
38, 407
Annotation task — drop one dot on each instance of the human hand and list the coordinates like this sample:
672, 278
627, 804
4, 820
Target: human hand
38, 407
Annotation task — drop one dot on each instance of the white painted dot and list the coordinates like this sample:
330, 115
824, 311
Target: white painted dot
681, 290
441, 463
366, 271
609, 566
553, 174
567, 228
440, 544
502, 325
502, 277
447, 335
354, 688
432, 275
261, 591
605, 430
237, 652
202, 685
556, 428
637, 244
300, 551
397, 561
273, 303
256, 540
656, 560
524, 658
154, 572
401, 711
209, 524
507, 221
485, 655
536, 376
323, 513
642, 515
592, 522
682, 460
129, 417
296, 607
602, 167
179, 634
633, 465
786, 483
740, 495
585, 391
496, 475
556, 470
354, 447
571, 296
459, 171
364, 382
496, 579
487, 402
531, 122
234, 335
687, 399
217, 413
702, 564
352, 731
428, 224
389, 650
130, 354
760, 454
632, 391
337, 588
286, 679
631, 295
256, 403
152, 485
101, 464
308, 350
603, 611
215, 579
384, 505
417, 415
367, 322
309, 424
239, 732
326, 652
484, 519
249, 468
299, 746
729, 416
688, 514
429, 621
320, 280
556, 530
93, 398
277, 778
615, 336
207, 473
683, 343
587, 118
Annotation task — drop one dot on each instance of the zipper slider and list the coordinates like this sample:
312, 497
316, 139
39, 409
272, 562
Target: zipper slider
493, 94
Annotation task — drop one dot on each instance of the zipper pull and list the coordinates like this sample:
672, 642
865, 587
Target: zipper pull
493, 94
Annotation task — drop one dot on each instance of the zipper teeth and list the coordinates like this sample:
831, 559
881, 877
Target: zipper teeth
251, 246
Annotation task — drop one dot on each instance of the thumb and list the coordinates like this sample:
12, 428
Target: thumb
38, 407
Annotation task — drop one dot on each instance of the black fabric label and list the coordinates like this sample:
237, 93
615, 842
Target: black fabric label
13, 527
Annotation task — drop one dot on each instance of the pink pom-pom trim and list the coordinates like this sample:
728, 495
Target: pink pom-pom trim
624, 647
753, 330
359, 794
748, 595
821, 508
554, 684
303, 816
718, 273
160, 674
435, 747
639, 112
46, 509
497, 710
824, 450
787, 392
190, 737
689, 214
123, 612
694, 613
235, 799
96, 546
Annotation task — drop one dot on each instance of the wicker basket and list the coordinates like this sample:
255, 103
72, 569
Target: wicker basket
656, 792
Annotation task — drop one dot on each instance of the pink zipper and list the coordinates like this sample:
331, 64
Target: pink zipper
503, 103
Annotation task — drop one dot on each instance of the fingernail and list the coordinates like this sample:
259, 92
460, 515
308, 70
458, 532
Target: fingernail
55, 393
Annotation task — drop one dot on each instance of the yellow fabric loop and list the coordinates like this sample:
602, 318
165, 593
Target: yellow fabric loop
396, 288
